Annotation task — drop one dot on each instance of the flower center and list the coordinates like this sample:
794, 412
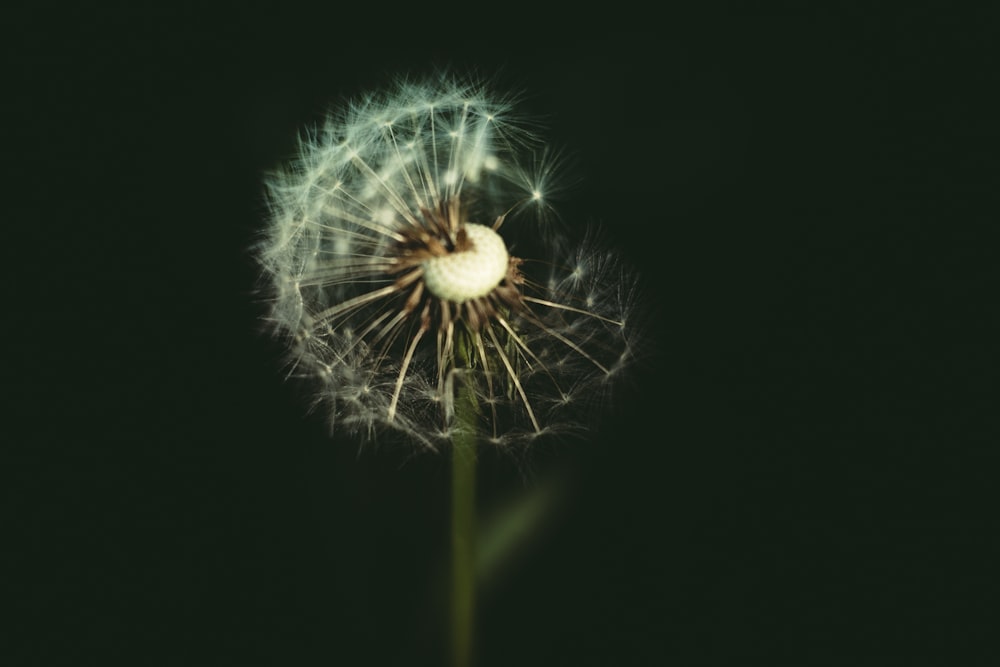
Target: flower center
470, 273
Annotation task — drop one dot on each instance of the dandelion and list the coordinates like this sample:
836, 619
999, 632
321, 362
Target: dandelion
416, 268
394, 259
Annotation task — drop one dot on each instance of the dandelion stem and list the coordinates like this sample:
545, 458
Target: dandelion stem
463, 514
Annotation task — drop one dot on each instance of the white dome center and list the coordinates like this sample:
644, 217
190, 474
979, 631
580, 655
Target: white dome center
471, 273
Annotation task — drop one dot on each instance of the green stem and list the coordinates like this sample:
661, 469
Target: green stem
463, 517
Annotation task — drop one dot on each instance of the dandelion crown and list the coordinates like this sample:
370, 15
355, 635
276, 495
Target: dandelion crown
392, 269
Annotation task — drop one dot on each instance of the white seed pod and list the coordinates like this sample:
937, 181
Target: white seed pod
392, 276
471, 274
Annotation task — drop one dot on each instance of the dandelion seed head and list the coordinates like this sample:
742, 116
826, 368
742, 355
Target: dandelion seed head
393, 277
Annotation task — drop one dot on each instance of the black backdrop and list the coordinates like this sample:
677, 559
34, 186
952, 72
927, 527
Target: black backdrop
802, 472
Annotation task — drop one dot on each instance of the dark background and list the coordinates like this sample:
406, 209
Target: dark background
802, 471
